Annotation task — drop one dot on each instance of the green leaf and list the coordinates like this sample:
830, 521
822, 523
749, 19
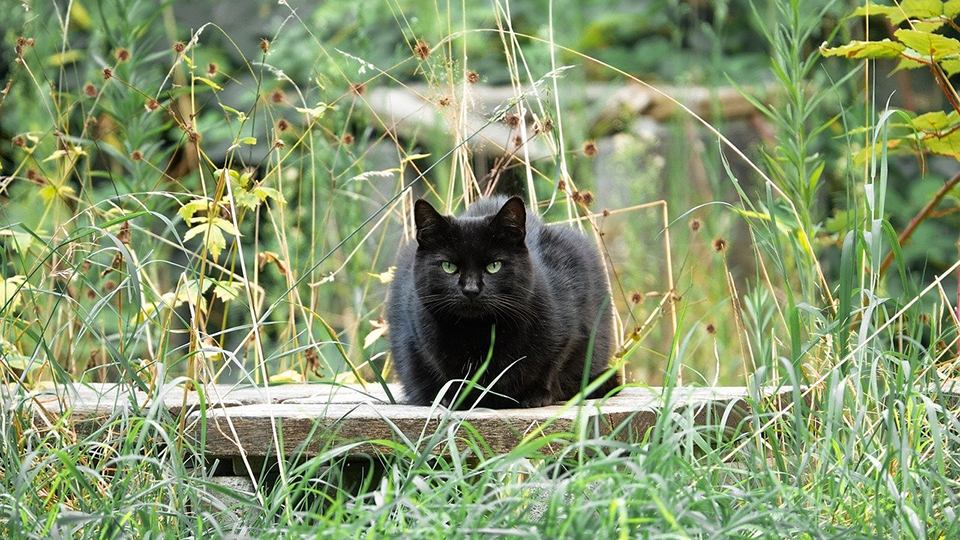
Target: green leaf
249, 140
928, 44
865, 49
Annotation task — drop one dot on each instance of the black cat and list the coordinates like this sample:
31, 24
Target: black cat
542, 288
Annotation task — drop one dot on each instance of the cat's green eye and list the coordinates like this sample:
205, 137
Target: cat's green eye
494, 267
448, 267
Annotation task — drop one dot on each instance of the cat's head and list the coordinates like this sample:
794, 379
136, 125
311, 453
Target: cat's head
473, 267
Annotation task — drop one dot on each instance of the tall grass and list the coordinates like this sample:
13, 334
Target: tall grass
132, 254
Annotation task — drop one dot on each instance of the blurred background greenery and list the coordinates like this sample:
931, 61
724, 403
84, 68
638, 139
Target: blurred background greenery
117, 114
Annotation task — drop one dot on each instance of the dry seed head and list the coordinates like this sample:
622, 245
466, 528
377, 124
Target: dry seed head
590, 149
587, 198
212, 69
347, 139
90, 90
193, 136
711, 329
562, 186
19, 141
357, 89
518, 141
636, 297
265, 45
422, 49
121, 54
719, 245
277, 96
151, 105
33, 175
136, 155
282, 125
512, 120
473, 77
444, 101
179, 47
576, 196
107, 74
124, 235
279, 144
109, 286
695, 224
606, 213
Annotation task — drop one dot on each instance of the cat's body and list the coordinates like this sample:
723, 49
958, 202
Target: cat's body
543, 288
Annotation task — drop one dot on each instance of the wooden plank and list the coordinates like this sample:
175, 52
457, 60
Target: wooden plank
308, 426
85, 402
310, 417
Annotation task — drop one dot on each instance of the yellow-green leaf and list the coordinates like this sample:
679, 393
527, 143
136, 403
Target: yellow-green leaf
928, 44
414, 157
951, 66
226, 226
213, 237
951, 9
50, 192
245, 199
288, 376
9, 292
948, 145
935, 121
226, 291
263, 193
197, 205
20, 241
64, 58
865, 49
379, 329
209, 83
385, 277
315, 112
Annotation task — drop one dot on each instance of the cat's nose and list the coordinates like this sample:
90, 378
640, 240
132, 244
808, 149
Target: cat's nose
471, 289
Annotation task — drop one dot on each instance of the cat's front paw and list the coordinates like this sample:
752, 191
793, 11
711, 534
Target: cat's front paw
536, 401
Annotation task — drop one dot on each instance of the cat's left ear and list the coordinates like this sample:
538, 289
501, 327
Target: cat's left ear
511, 221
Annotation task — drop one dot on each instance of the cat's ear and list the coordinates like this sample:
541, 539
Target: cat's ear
510, 222
430, 224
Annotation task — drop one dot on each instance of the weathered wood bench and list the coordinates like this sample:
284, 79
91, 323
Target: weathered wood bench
309, 418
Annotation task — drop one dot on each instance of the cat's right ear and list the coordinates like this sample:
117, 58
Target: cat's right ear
430, 224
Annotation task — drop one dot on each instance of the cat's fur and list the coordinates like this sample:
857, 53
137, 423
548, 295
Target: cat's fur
546, 300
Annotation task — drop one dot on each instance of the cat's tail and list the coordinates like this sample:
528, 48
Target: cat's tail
608, 386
